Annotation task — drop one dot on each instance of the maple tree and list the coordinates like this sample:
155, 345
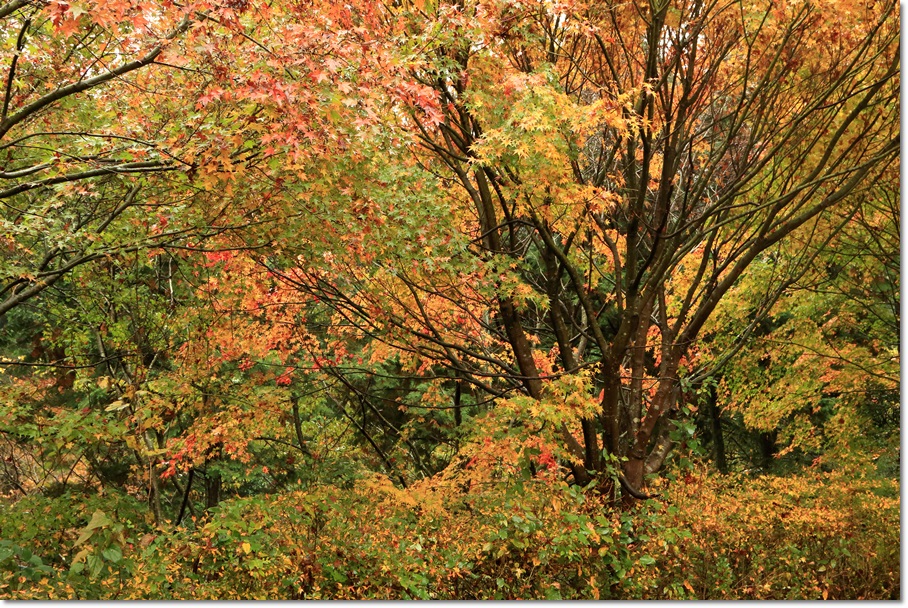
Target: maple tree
827, 351
619, 169
425, 299
76, 158
112, 164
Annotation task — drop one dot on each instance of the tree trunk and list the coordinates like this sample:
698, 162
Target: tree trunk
715, 417
767, 450
212, 489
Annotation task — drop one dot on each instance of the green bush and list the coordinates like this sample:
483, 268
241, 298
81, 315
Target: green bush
803, 537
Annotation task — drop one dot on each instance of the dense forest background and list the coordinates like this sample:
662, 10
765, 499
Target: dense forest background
458, 299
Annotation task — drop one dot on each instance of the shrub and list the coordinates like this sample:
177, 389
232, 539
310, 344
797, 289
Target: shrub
809, 536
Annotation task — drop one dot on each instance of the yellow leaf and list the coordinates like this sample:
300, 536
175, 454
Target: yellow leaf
81, 555
247, 548
116, 406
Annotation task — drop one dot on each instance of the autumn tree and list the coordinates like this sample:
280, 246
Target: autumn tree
540, 206
138, 140
610, 173
321, 299
109, 138
819, 370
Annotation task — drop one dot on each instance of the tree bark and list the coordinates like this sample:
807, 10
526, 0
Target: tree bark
715, 416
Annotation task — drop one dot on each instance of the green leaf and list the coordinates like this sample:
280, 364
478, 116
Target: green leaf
112, 554
95, 565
